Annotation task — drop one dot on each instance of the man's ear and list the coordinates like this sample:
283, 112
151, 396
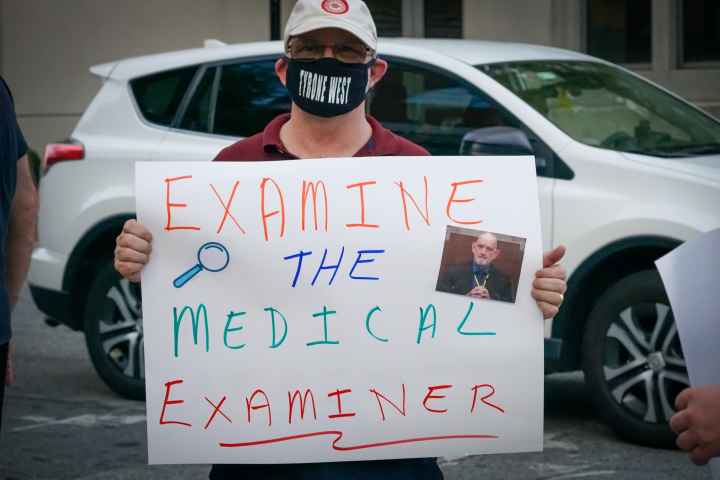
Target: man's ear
281, 70
377, 71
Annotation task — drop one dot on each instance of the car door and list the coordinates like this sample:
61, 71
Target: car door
435, 108
227, 101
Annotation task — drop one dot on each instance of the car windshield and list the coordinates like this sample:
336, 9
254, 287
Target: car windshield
604, 106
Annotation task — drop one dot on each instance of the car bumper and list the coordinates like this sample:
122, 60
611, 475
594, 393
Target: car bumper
56, 305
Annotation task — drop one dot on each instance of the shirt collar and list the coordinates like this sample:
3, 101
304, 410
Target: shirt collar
382, 141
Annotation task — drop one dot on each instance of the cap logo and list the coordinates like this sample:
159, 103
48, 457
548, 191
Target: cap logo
335, 7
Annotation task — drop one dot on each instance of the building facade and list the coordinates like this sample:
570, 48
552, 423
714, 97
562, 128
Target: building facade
46, 46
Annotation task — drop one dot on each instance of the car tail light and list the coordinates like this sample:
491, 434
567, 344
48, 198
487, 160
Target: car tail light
59, 152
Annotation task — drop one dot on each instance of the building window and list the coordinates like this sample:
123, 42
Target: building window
388, 16
443, 18
700, 31
620, 30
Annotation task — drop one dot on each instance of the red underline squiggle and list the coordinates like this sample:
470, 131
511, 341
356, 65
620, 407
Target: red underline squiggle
339, 434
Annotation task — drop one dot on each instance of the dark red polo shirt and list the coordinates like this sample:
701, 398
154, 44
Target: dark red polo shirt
268, 146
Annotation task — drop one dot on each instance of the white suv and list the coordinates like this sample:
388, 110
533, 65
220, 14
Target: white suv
626, 172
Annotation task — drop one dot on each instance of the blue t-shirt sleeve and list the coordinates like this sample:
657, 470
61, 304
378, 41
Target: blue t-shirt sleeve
14, 127
22, 145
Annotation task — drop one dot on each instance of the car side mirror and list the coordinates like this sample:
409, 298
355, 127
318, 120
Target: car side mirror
496, 141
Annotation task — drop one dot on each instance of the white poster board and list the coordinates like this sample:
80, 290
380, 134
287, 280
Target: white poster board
370, 361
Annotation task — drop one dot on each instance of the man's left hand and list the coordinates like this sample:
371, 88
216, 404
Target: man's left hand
549, 285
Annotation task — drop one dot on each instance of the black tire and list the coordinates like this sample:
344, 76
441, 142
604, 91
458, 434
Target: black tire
114, 334
633, 362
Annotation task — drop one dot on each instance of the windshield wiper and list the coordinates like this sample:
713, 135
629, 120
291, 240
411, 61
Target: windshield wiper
653, 152
702, 149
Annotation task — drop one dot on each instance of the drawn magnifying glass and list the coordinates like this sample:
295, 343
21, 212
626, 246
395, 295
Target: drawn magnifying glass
212, 256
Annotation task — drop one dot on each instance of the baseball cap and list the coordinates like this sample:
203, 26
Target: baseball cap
350, 15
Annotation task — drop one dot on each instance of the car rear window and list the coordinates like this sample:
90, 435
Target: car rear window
159, 95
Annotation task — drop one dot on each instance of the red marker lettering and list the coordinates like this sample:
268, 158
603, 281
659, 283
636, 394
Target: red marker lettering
216, 410
226, 207
484, 399
265, 214
169, 205
452, 200
402, 411
362, 223
338, 393
167, 402
250, 406
404, 193
310, 187
430, 395
303, 400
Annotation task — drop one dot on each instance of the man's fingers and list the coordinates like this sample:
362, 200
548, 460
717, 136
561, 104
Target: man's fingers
680, 422
129, 270
553, 298
556, 271
553, 256
548, 310
687, 440
133, 242
550, 284
681, 401
134, 228
701, 455
129, 255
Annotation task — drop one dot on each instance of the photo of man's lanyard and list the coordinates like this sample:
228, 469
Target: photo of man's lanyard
484, 282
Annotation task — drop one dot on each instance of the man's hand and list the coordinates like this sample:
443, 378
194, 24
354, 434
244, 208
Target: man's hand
549, 285
132, 250
697, 422
479, 292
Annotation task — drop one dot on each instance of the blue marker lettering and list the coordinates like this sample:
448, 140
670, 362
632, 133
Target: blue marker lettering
334, 268
299, 256
359, 260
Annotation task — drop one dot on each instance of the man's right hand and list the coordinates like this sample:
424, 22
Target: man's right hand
132, 250
479, 292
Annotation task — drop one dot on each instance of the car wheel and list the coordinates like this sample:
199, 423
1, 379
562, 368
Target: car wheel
114, 333
633, 362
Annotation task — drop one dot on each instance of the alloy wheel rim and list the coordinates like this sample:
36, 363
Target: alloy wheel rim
121, 331
643, 364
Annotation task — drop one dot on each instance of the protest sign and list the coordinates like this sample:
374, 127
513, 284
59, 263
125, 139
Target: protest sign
317, 310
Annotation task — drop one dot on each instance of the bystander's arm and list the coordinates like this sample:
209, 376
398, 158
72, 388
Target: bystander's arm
22, 230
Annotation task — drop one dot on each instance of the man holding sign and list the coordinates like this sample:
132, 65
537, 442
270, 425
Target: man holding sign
330, 66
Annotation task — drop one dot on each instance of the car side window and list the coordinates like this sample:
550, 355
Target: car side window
436, 110
249, 96
158, 96
197, 114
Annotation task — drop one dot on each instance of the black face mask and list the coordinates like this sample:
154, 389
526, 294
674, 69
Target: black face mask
327, 87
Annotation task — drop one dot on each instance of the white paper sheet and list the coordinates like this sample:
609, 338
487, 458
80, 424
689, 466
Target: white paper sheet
691, 275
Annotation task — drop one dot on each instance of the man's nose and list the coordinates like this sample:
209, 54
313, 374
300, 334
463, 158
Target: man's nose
328, 51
